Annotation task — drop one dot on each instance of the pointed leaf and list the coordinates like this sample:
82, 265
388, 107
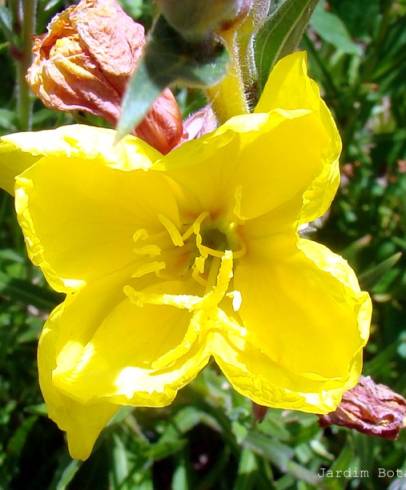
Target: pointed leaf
168, 59
6, 24
332, 29
281, 34
372, 276
27, 293
65, 473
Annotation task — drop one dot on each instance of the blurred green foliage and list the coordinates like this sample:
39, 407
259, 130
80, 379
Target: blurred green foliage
208, 439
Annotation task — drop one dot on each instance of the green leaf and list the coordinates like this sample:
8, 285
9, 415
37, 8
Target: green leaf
39, 409
345, 461
372, 276
180, 479
120, 463
6, 25
19, 438
281, 34
7, 119
52, 4
247, 471
10, 255
65, 473
332, 30
279, 454
4, 46
380, 365
134, 7
361, 17
27, 293
168, 59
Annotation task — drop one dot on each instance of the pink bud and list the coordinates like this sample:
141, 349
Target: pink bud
199, 123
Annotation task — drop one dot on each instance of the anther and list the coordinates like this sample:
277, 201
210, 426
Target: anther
176, 237
148, 269
195, 225
149, 250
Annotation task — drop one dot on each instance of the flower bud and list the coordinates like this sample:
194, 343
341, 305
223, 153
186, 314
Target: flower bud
259, 412
197, 19
199, 123
163, 123
84, 63
370, 408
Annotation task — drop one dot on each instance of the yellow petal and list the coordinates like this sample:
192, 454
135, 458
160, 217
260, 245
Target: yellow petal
81, 423
305, 322
70, 326
12, 163
19, 151
280, 164
256, 376
290, 88
79, 216
284, 156
252, 164
117, 350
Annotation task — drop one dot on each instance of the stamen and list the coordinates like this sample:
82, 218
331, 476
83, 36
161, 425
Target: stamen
240, 253
213, 273
198, 278
188, 301
199, 264
176, 237
148, 269
236, 299
199, 220
182, 301
225, 274
140, 234
197, 269
150, 250
210, 251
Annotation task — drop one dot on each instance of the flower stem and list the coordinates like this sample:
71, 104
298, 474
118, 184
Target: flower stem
24, 103
245, 43
228, 97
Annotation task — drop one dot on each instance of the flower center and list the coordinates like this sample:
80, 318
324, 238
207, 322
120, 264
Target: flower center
196, 249
204, 250
210, 241
215, 239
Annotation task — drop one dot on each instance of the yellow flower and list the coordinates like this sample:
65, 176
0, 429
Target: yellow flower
169, 261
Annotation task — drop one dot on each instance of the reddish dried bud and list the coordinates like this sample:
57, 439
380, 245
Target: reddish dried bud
84, 63
259, 411
370, 408
163, 123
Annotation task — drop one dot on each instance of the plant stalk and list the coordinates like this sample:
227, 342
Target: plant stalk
245, 43
24, 102
228, 97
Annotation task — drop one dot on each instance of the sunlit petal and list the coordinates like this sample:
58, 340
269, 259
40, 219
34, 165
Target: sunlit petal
79, 216
304, 326
290, 88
